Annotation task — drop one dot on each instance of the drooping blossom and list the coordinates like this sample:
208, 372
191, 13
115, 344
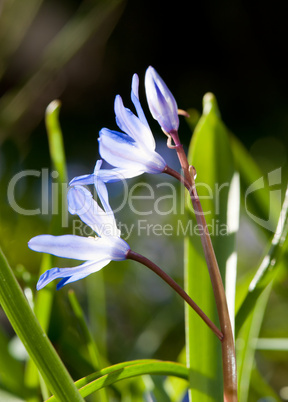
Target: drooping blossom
133, 149
96, 251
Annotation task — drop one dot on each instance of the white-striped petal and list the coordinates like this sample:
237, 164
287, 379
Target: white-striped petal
71, 274
80, 248
137, 104
133, 126
120, 152
81, 202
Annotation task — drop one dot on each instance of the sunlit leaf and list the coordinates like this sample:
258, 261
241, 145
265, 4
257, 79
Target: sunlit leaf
121, 371
32, 336
246, 344
267, 268
211, 155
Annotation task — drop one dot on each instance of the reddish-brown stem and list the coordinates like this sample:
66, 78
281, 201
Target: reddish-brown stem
228, 347
174, 285
181, 156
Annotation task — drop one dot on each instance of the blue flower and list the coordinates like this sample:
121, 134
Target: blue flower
97, 251
134, 148
161, 102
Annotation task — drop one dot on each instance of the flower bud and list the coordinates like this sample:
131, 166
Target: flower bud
161, 102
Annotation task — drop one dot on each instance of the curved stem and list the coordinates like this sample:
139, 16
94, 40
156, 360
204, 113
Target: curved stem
228, 346
174, 285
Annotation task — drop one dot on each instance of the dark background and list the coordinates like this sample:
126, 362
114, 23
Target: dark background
235, 49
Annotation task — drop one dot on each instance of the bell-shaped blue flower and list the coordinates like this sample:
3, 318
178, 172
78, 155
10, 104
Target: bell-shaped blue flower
133, 149
161, 102
96, 251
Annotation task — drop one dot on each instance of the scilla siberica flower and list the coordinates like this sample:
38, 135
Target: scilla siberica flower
161, 102
134, 148
97, 251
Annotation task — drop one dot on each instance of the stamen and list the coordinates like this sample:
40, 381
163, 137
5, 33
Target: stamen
182, 112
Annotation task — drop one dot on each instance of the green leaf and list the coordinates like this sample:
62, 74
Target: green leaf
44, 299
211, 155
33, 337
122, 371
267, 268
246, 340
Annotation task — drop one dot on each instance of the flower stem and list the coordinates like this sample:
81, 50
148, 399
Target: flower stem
174, 285
227, 343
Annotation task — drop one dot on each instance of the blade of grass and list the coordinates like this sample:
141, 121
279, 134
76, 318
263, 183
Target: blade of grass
44, 299
267, 269
33, 337
121, 371
247, 338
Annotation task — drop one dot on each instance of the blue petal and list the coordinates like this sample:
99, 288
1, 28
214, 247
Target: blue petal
124, 154
70, 274
81, 202
136, 101
105, 175
101, 189
133, 126
162, 104
114, 175
82, 180
80, 248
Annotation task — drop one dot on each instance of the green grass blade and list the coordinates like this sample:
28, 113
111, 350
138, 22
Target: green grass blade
267, 269
44, 299
33, 337
55, 138
248, 334
210, 153
121, 371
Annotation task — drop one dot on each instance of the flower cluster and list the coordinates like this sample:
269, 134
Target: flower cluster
132, 152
